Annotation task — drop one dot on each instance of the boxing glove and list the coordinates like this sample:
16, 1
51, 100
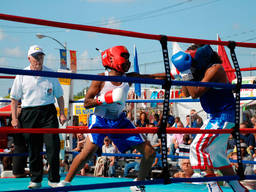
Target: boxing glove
182, 61
114, 96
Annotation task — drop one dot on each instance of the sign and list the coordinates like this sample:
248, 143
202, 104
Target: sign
64, 81
80, 110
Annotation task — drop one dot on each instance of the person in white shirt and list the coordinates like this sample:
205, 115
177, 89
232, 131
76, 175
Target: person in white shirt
37, 95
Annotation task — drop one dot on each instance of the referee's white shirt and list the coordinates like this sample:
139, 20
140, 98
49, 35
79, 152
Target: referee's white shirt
35, 90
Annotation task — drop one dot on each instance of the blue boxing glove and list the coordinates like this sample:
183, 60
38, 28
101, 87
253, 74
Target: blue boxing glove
182, 61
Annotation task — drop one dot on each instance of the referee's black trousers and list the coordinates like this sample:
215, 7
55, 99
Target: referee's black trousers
42, 117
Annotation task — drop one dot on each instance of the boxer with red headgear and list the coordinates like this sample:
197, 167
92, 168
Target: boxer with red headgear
208, 151
109, 98
116, 58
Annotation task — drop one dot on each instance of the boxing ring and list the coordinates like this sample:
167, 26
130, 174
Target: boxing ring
165, 183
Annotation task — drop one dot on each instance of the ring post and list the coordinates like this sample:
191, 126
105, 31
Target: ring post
162, 129
236, 131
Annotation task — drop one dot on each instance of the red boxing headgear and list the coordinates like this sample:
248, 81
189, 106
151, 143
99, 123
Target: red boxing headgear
114, 58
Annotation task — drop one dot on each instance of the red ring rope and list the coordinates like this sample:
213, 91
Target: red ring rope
80, 129
116, 31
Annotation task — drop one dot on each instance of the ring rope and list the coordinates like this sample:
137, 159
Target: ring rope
117, 31
155, 100
83, 129
118, 79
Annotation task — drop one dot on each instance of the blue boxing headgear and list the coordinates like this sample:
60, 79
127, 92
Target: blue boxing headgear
202, 60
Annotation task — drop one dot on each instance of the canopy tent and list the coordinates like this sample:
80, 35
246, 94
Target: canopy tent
6, 110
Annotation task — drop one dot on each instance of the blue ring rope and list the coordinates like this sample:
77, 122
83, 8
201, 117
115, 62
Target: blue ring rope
118, 78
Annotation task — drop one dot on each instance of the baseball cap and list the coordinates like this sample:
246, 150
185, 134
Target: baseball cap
35, 50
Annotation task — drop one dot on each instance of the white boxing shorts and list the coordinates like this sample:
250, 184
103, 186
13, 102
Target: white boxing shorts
210, 150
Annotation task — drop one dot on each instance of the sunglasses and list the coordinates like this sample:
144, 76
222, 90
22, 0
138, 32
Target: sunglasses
38, 57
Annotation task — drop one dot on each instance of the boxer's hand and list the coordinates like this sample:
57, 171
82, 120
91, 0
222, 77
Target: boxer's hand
114, 96
182, 61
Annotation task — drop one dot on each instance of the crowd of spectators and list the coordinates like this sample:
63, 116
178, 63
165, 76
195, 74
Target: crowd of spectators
178, 146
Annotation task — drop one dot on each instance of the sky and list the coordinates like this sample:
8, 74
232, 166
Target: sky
203, 19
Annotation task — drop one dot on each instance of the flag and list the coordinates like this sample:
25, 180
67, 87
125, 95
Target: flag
73, 65
63, 59
175, 49
136, 69
225, 61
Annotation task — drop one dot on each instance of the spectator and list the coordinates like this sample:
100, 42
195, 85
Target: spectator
80, 142
183, 148
186, 170
156, 120
248, 138
176, 140
129, 116
153, 139
143, 120
231, 144
188, 122
109, 148
132, 164
248, 168
176, 121
253, 120
196, 120
37, 96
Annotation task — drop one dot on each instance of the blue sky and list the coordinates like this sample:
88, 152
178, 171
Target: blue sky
231, 19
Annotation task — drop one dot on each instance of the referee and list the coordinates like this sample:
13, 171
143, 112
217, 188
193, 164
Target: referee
37, 95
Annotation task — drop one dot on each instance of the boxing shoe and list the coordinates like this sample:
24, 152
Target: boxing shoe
140, 188
213, 187
63, 183
53, 184
34, 185
237, 186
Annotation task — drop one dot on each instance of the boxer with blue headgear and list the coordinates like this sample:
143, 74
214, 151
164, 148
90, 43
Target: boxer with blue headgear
195, 61
208, 151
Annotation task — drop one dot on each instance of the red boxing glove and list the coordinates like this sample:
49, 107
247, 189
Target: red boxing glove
114, 96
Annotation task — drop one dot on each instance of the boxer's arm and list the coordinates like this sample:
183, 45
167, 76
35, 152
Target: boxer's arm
215, 73
94, 89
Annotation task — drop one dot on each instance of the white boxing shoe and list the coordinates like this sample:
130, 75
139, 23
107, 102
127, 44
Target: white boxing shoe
140, 188
34, 185
63, 183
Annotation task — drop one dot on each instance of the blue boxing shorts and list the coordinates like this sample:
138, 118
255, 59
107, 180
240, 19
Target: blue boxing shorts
123, 142
210, 150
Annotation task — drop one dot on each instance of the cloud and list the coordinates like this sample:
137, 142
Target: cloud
111, 22
16, 52
2, 35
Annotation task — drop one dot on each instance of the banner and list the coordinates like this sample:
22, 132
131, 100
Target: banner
73, 65
225, 61
136, 69
63, 59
